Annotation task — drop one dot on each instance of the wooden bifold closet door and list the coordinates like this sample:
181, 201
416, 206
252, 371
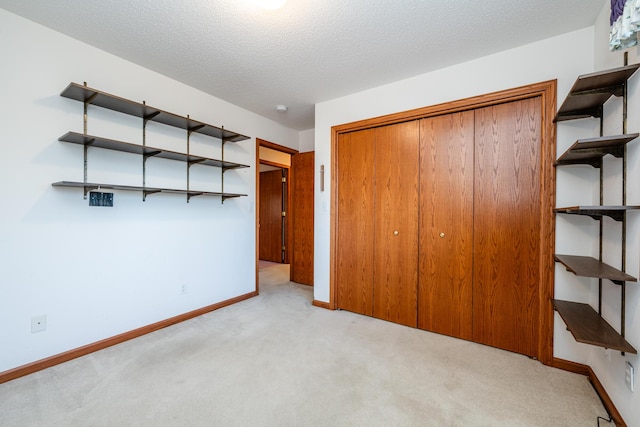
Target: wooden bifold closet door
354, 254
507, 244
439, 224
395, 262
446, 224
378, 207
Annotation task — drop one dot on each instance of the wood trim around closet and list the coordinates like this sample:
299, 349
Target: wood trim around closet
547, 91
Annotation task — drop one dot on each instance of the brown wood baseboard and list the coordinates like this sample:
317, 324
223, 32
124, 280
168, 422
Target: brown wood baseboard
322, 304
586, 370
567, 365
39, 365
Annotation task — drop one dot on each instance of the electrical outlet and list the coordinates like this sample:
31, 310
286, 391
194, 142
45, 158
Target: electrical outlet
607, 354
38, 323
184, 289
628, 375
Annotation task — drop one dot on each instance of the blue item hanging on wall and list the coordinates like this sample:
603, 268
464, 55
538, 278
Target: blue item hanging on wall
617, 7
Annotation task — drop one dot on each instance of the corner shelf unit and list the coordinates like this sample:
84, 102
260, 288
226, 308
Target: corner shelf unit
590, 267
586, 99
587, 326
590, 91
617, 213
90, 96
590, 151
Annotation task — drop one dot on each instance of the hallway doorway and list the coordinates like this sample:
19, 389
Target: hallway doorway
285, 195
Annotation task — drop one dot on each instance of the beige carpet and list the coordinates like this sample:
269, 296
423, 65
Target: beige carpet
275, 360
262, 264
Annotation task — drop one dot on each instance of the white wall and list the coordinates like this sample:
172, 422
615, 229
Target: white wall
307, 140
98, 272
611, 371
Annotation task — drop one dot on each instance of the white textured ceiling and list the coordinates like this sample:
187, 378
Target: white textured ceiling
310, 50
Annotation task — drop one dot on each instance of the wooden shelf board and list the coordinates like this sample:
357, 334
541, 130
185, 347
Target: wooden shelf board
111, 144
95, 186
590, 91
588, 327
591, 267
592, 150
112, 102
615, 212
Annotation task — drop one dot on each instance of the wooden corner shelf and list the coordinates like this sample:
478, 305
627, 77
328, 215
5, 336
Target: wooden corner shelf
590, 267
590, 151
590, 91
587, 98
111, 144
588, 327
615, 212
96, 97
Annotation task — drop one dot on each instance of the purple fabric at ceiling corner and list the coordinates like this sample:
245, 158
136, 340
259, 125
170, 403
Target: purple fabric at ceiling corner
617, 7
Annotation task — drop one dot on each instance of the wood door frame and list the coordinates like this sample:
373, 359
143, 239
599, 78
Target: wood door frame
264, 143
547, 91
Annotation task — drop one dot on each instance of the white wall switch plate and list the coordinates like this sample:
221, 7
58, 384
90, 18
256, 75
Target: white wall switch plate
39, 323
628, 375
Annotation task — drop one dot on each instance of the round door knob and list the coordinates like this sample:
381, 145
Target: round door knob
395, 233
441, 234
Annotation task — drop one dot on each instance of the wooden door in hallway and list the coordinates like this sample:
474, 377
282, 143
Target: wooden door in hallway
445, 292
507, 224
271, 202
395, 275
302, 168
355, 208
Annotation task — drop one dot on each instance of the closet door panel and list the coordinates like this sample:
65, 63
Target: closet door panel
446, 224
396, 223
507, 226
354, 252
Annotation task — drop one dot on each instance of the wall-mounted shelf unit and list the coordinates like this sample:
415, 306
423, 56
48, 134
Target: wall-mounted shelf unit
147, 113
590, 151
590, 267
111, 144
588, 327
617, 213
98, 98
586, 99
90, 186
